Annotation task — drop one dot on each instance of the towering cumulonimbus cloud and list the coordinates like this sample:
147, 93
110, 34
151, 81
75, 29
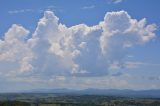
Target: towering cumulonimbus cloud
80, 50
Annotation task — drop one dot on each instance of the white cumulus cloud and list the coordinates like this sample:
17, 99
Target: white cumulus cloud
57, 50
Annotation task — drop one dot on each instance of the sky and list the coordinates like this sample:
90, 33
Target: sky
79, 44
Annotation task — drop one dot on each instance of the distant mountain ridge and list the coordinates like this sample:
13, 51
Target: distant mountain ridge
108, 92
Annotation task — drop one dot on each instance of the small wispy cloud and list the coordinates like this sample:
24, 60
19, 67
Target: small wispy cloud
131, 65
88, 7
117, 1
20, 11
114, 1
139, 64
36, 10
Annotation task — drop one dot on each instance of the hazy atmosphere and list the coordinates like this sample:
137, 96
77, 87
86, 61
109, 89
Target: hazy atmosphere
79, 44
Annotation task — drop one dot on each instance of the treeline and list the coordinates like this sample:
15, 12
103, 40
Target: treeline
111, 103
14, 103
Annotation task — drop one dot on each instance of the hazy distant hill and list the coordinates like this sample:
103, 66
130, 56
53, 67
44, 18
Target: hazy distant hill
108, 92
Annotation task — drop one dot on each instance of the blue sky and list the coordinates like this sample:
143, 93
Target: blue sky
79, 44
